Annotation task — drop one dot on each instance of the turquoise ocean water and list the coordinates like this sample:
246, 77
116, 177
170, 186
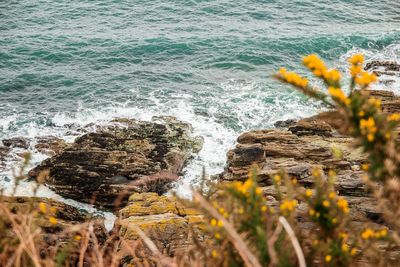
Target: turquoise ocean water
64, 64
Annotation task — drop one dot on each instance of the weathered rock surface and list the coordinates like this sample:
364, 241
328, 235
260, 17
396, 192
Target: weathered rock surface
165, 220
50, 145
126, 156
16, 142
311, 142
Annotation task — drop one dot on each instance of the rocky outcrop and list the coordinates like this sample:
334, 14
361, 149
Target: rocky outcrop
312, 142
164, 220
126, 156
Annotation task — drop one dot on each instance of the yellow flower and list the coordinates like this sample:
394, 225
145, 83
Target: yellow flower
367, 234
78, 237
326, 203
332, 75
309, 193
332, 195
361, 113
355, 70
357, 59
311, 212
365, 78
42, 207
220, 224
394, 117
264, 208
316, 65
334, 220
316, 172
277, 178
344, 236
338, 95
258, 191
328, 258
381, 233
368, 128
365, 167
345, 247
353, 251
288, 205
217, 236
241, 211
213, 222
293, 78
52, 220
214, 253
343, 205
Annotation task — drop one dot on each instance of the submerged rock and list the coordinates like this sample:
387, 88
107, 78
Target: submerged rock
126, 156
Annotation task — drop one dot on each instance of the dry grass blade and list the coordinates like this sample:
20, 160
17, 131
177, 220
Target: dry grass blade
165, 261
295, 241
247, 256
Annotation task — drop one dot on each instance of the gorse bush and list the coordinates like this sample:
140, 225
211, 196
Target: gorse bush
274, 230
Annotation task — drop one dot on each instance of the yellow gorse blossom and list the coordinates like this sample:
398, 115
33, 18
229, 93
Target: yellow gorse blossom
42, 207
394, 117
53, 220
357, 59
328, 258
355, 70
309, 193
375, 102
338, 94
365, 78
367, 233
343, 205
293, 78
368, 128
288, 205
315, 64
326, 203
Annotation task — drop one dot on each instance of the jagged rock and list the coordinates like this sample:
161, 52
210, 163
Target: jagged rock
383, 68
50, 145
283, 149
164, 219
285, 124
16, 142
126, 156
